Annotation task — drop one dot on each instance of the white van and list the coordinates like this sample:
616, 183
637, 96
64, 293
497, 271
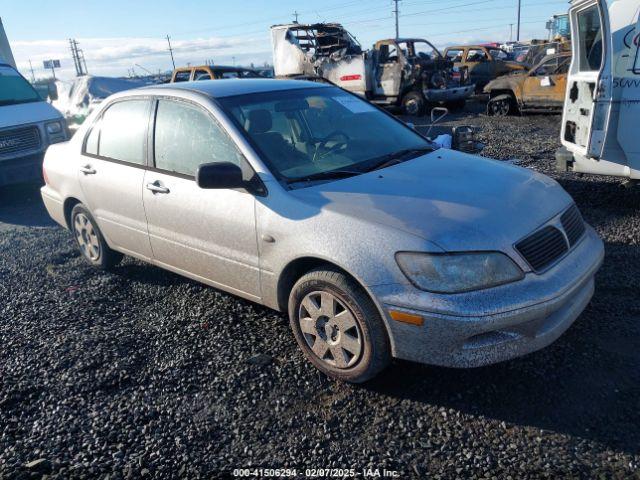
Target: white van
600, 124
28, 125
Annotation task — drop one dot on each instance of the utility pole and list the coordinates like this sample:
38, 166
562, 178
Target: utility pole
171, 52
295, 14
396, 12
518, 30
78, 58
33, 75
511, 32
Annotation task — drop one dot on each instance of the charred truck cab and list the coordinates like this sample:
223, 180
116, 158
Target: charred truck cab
602, 104
409, 73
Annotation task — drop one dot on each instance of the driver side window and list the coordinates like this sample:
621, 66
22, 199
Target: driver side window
547, 68
186, 136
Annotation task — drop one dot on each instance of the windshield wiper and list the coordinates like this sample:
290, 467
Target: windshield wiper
328, 175
399, 156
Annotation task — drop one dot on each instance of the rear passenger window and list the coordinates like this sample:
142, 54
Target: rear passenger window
186, 136
91, 145
122, 131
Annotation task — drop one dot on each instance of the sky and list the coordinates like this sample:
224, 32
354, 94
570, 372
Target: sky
118, 36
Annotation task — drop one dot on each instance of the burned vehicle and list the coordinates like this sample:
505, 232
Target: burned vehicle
483, 63
540, 89
409, 73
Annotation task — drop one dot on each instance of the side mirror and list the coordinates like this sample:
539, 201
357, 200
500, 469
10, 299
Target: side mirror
53, 91
220, 175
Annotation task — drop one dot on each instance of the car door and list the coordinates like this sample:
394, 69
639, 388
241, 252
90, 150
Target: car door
545, 85
389, 70
112, 172
209, 235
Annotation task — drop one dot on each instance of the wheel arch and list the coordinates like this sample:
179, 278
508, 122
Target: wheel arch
68, 205
300, 266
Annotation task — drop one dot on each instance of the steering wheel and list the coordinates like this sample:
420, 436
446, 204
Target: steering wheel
340, 145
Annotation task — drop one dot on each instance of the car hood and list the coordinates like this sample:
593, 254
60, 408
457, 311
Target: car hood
457, 201
25, 113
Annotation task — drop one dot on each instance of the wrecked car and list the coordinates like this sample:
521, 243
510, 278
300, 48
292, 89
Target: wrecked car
483, 63
211, 72
409, 73
540, 89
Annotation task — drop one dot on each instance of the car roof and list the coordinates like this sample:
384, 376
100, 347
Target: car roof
232, 87
215, 68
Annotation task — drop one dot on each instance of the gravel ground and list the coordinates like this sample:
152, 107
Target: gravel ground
142, 373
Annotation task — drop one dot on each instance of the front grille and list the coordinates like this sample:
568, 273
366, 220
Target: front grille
19, 140
573, 225
543, 247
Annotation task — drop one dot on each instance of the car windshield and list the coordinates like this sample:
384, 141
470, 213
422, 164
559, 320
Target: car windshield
424, 49
15, 89
322, 133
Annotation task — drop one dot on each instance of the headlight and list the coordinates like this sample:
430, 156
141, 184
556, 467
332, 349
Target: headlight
53, 128
458, 272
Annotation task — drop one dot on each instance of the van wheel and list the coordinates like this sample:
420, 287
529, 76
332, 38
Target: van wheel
501, 105
90, 240
337, 326
413, 103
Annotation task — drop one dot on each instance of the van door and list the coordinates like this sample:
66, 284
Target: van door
629, 83
585, 107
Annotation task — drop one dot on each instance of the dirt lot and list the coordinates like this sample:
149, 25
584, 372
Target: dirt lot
142, 373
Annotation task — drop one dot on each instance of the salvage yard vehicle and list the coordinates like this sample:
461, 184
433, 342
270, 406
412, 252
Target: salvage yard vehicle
408, 72
211, 72
602, 105
540, 89
28, 125
483, 63
312, 201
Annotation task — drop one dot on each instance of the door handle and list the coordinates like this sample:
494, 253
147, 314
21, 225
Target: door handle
87, 170
156, 187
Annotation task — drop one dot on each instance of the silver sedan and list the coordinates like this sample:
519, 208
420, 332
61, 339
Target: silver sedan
309, 200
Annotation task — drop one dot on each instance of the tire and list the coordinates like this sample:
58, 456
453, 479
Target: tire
414, 104
337, 326
457, 106
90, 241
501, 105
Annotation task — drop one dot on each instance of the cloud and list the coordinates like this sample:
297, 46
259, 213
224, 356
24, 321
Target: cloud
115, 56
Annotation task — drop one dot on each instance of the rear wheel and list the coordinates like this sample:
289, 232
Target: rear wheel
90, 240
501, 105
413, 103
337, 326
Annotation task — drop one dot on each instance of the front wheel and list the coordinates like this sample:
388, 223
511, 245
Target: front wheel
501, 105
90, 240
337, 326
414, 104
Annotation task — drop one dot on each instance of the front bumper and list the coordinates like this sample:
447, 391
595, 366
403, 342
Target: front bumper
509, 321
448, 94
21, 170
